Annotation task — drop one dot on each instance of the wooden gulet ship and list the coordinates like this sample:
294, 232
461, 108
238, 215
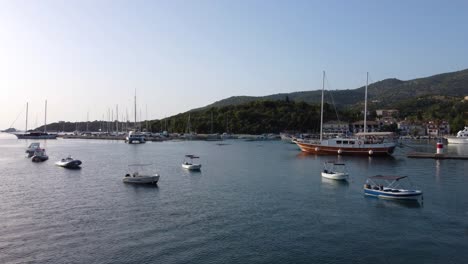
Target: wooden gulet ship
365, 143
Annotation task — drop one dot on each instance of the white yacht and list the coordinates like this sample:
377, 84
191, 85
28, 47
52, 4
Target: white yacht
461, 138
135, 138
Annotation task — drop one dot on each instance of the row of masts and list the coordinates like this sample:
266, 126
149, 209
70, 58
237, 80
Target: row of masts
110, 118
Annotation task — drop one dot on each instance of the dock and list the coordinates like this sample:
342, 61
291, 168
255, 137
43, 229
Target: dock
425, 155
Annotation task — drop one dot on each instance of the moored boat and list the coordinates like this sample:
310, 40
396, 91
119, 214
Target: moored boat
334, 170
135, 138
389, 187
140, 178
189, 165
461, 138
32, 148
39, 155
370, 144
69, 163
36, 135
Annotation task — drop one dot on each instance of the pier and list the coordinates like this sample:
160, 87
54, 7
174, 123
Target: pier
425, 155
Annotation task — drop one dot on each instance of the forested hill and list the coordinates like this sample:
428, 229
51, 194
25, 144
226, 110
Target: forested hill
387, 92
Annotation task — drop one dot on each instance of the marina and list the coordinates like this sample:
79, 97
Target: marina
257, 132
282, 204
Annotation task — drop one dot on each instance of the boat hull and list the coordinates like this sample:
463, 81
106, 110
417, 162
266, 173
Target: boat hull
402, 195
26, 136
69, 164
191, 166
457, 140
141, 179
39, 158
135, 141
317, 148
335, 176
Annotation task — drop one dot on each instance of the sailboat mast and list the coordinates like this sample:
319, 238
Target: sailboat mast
45, 117
321, 108
147, 118
117, 118
27, 105
365, 104
135, 112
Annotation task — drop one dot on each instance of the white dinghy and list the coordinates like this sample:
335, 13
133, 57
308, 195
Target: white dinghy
189, 165
137, 176
334, 170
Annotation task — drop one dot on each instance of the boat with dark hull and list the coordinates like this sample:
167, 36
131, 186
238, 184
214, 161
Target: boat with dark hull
36, 135
69, 163
39, 156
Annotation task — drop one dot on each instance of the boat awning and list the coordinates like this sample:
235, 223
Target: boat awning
191, 156
386, 177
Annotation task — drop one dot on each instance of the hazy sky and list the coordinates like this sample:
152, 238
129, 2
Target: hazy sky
91, 55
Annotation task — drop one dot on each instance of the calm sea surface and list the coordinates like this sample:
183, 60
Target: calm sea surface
253, 202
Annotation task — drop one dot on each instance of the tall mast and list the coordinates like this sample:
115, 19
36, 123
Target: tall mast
45, 117
117, 118
321, 108
135, 112
87, 121
147, 118
365, 104
188, 125
26, 129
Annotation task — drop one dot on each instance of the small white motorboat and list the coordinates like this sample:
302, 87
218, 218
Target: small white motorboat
32, 148
189, 165
69, 163
334, 170
39, 155
390, 187
140, 178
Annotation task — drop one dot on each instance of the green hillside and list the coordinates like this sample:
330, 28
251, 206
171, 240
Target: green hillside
387, 92
439, 97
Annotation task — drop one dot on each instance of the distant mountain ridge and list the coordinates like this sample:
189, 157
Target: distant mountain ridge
387, 92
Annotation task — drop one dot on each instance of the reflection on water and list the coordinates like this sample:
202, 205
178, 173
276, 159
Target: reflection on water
248, 204
459, 149
385, 203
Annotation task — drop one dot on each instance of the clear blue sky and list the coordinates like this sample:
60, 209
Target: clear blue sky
90, 55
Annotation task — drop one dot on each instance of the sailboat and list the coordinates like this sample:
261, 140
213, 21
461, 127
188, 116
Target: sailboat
365, 143
135, 137
36, 134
